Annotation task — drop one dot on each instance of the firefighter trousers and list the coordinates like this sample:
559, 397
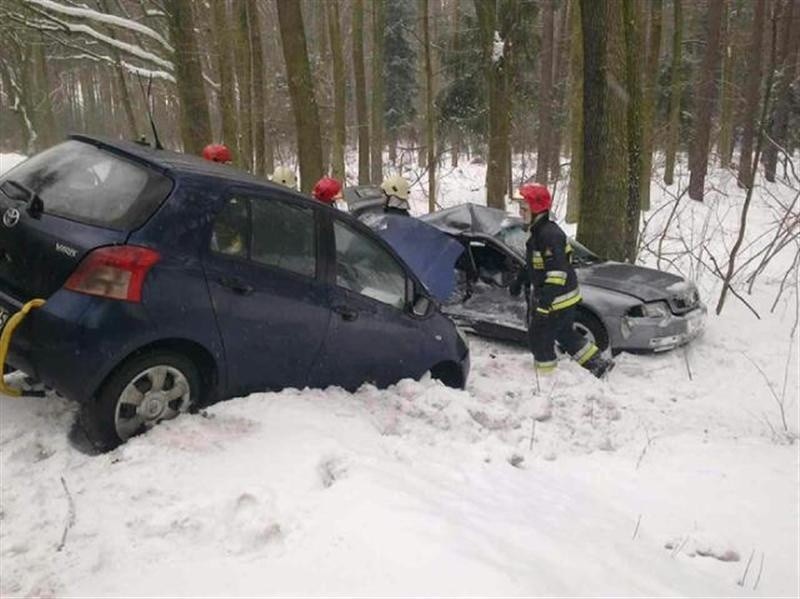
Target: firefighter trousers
544, 331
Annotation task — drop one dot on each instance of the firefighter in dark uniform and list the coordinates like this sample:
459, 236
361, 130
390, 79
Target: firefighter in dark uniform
555, 291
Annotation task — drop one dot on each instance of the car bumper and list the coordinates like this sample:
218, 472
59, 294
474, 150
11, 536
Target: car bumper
660, 334
64, 343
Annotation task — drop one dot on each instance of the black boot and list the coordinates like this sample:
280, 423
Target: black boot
599, 366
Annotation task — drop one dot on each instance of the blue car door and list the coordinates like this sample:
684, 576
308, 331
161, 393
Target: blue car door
270, 303
373, 337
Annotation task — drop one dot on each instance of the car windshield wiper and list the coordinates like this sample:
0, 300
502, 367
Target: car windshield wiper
14, 189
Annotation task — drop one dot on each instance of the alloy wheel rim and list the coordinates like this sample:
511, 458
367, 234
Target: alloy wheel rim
157, 393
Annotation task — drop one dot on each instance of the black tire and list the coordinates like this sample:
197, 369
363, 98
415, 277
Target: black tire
586, 321
100, 415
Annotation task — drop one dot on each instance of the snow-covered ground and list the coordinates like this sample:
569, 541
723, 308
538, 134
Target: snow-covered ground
654, 483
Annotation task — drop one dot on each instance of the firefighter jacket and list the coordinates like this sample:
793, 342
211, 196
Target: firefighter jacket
549, 266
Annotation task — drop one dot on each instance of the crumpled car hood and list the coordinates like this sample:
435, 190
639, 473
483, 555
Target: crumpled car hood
646, 284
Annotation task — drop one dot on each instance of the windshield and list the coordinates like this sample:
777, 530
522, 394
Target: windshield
83, 183
516, 236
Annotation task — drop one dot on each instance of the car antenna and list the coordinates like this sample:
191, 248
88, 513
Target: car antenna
149, 105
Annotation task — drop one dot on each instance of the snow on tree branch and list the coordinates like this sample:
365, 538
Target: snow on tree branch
76, 28
93, 15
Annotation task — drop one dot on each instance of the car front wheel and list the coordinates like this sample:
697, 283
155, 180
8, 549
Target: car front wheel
592, 329
145, 390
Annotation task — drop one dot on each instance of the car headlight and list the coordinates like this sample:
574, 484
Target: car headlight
650, 310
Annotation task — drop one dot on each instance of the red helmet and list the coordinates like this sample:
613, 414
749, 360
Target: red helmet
217, 153
537, 197
327, 190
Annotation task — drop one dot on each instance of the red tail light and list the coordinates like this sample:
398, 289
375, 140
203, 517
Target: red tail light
115, 272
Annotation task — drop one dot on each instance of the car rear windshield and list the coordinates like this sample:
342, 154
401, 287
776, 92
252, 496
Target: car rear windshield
80, 182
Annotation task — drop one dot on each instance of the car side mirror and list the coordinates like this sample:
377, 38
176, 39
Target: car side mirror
421, 306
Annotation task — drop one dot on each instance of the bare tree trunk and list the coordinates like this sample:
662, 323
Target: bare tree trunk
676, 85
649, 104
227, 92
339, 82
44, 104
301, 90
560, 72
244, 78
546, 94
362, 117
376, 155
499, 114
575, 112
429, 115
259, 104
725, 143
783, 91
752, 87
726, 283
195, 121
602, 222
633, 47
706, 94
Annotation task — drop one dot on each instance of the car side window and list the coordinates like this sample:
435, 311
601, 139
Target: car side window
232, 229
364, 267
284, 236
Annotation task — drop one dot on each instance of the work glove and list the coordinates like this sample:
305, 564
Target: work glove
515, 288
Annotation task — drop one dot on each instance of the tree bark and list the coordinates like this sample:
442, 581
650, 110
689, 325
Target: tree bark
633, 47
575, 112
339, 82
649, 103
227, 91
259, 104
725, 142
783, 89
544, 139
706, 95
377, 113
499, 114
301, 91
676, 85
362, 117
560, 73
429, 115
195, 121
602, 222
244, 76
753, 86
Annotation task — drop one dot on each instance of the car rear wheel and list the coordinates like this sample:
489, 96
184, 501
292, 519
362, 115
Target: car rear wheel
145, 390
591, 328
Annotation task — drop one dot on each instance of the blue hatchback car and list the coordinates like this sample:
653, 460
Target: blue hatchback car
170, 282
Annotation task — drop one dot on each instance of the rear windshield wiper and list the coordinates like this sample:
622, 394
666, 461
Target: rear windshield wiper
17, 191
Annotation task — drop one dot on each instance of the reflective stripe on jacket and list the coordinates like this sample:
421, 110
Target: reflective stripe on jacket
549, 263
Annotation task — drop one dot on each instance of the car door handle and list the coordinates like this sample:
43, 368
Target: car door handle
348, 314
236, 285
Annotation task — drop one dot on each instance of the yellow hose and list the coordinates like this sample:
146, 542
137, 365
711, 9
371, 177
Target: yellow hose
5, 342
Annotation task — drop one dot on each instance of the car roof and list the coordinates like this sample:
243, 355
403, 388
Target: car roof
472, 218
176, 163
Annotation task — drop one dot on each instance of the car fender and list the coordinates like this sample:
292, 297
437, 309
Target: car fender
609, 307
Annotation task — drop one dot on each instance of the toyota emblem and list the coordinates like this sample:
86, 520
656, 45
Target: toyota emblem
11, 217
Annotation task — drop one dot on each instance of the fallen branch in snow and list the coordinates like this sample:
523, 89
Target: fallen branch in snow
760, 570
686, 361
533, 432
645, 448
70, 515
741, 581
636, 530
